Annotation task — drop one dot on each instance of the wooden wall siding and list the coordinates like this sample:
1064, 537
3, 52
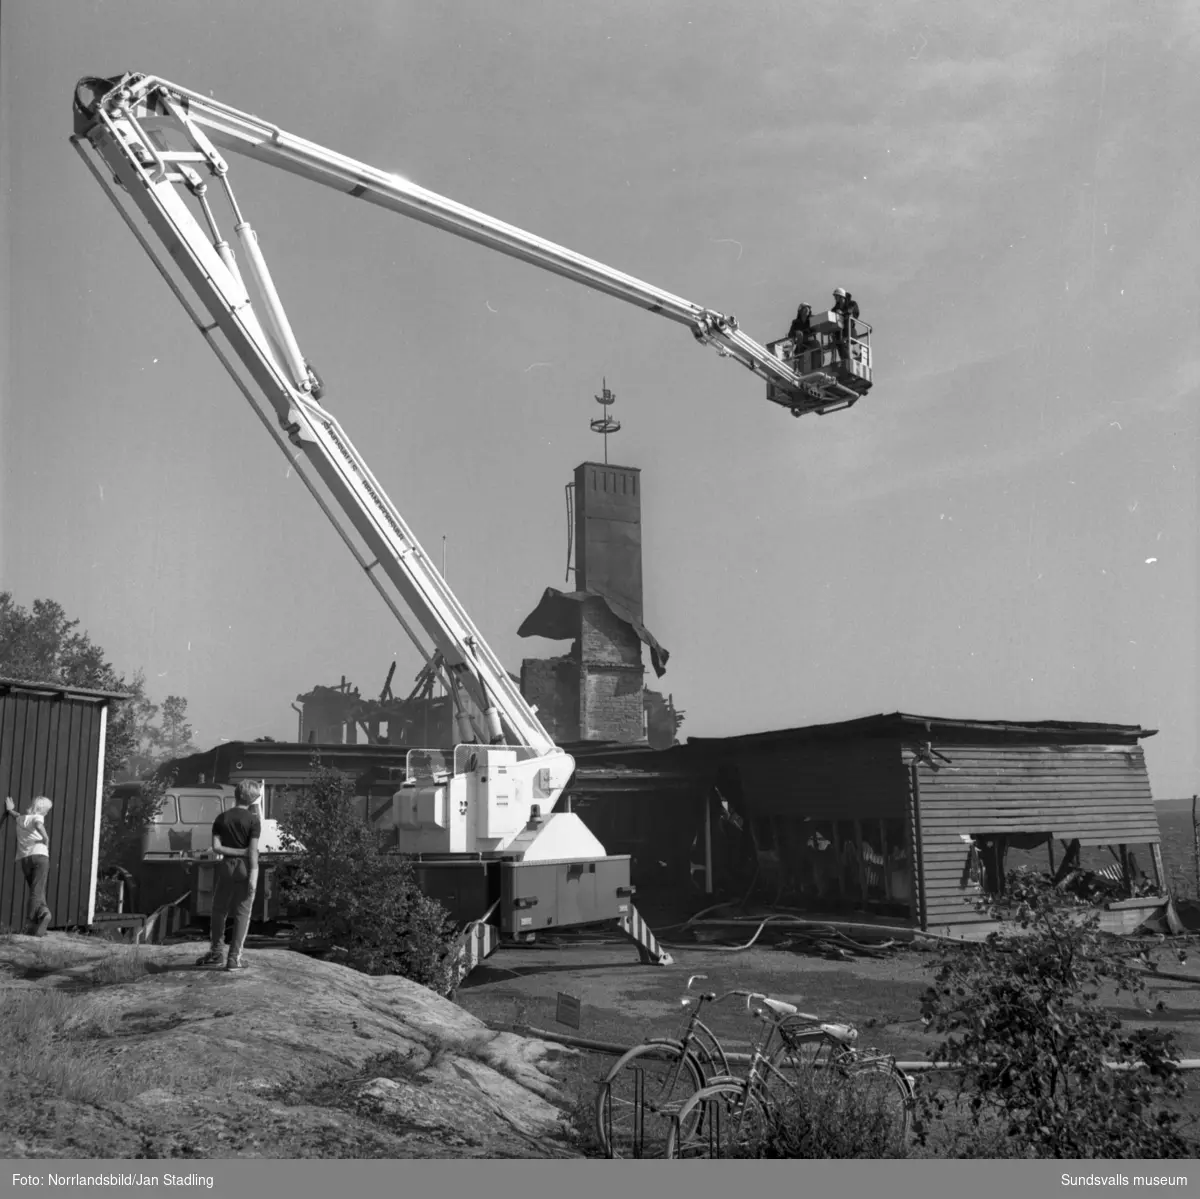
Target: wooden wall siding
847, 781
1100, 794
917, 857
50, 746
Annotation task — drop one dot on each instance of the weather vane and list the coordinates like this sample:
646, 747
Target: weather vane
606, 424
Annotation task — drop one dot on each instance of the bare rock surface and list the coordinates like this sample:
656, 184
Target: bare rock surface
292, 1057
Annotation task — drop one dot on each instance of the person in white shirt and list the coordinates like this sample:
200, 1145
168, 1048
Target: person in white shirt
33, 856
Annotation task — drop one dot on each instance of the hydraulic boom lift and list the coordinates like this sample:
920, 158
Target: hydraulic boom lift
480, 821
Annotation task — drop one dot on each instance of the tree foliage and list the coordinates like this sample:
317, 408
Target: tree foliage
367, 902
1020, 1015
122, 824
173, 736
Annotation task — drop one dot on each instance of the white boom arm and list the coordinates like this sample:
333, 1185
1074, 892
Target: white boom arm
211, 126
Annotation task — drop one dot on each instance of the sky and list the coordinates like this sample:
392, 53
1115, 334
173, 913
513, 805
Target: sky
1005, 528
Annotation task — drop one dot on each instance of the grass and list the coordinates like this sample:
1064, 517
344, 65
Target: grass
124, 965
66, 1040
579, 1115
50, 959
55, 1039
68, 1043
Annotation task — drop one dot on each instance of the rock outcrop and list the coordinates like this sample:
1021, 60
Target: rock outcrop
292, 1057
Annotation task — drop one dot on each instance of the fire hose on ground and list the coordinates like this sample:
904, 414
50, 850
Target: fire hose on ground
792, 920
743, 1059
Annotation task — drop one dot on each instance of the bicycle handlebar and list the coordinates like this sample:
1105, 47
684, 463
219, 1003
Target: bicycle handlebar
712, 996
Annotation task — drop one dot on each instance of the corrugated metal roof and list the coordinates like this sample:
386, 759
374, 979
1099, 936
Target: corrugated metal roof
36, 687
904, 724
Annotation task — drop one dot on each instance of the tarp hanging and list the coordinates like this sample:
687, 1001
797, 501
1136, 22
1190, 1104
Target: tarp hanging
557, 618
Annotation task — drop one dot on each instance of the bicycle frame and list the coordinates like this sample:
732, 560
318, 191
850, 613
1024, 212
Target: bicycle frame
730, 1100
697, 1039
700, 1040
696, 1051
765, 1061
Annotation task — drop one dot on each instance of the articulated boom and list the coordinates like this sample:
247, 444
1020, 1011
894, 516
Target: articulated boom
256, 344
210, 126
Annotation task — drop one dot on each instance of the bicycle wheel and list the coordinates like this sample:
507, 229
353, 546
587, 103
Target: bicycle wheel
723, 1120
641, 1094
831, 1101
884, 1102
802, 1065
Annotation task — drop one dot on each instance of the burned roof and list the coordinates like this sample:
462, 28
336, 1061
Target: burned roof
906, 726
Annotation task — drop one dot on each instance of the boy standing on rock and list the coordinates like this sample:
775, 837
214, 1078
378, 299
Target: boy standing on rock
235, 842
33, 855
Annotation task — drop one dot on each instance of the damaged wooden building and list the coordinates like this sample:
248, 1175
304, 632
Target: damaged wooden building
901, 817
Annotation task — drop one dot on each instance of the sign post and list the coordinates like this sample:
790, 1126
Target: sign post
567, 1011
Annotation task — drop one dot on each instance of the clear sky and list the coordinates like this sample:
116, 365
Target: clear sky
1005, 528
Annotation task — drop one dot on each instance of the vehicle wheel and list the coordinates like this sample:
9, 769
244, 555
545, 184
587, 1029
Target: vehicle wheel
723, 1120
640, 1095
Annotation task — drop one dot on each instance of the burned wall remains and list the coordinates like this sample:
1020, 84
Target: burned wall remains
610, 677
552, 686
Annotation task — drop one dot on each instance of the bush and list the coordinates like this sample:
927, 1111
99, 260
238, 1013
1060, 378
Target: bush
370, 904
1021, 1018
831, 1114
401, 930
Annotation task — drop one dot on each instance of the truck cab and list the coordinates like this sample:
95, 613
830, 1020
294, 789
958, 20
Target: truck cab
182, 827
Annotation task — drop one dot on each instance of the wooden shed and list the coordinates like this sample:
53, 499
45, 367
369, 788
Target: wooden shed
914, 816
52, 742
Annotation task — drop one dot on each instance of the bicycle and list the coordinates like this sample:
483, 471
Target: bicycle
652, 1080
729, 1116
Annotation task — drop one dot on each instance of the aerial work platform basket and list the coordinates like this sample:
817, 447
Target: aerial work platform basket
834, 367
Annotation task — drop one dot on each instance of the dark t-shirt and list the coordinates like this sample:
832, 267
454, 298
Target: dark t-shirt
237, 827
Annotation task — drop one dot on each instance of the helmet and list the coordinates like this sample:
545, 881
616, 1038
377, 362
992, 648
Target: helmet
839, 291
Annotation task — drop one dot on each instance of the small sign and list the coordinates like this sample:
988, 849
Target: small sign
568, 1010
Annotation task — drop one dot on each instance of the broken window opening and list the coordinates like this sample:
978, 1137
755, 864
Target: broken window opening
1097, 872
